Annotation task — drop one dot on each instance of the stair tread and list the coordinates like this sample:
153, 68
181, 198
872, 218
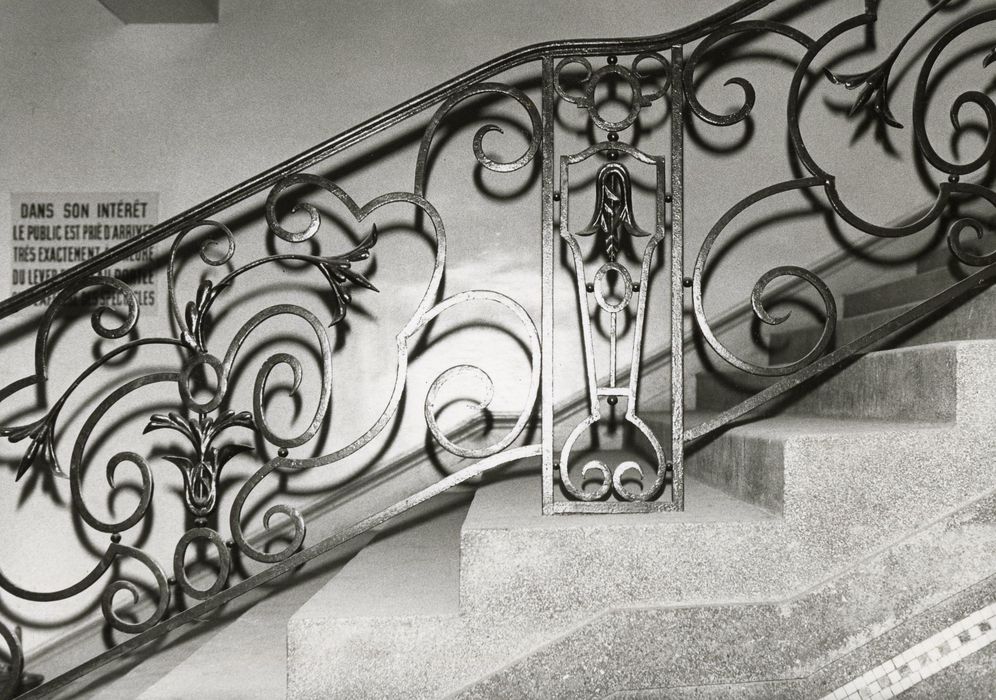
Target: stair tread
411, 568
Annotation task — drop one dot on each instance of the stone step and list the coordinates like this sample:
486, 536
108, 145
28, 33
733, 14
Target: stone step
883, 385
973, 318
391, 624
259, 634
804, 645
941, 256
128, 677
814, 471
348, 620
519, 653
840, 487
903, 291
920, 666
409, 573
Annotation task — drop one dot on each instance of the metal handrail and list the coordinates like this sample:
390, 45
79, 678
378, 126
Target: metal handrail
368, 128
613, 226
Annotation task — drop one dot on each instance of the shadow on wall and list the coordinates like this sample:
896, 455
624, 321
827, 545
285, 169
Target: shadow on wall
365, 273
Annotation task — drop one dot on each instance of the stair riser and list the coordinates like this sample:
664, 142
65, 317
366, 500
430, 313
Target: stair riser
880, 386
749, 468
973, 320
844, 492
904, 291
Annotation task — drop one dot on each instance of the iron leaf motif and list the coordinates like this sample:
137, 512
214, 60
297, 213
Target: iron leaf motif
874, 93
202, 472
196, 312
338, 271
41, 451
613, 213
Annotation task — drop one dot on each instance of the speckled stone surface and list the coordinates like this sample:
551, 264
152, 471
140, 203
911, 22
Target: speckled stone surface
849, 487
334, 654
905, 636
763, 690
887, 385
973, 677
546, 602
688, 646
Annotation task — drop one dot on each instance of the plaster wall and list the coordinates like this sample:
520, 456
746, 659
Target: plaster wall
186, 111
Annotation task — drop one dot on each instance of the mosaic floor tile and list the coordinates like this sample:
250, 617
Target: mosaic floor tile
923, 660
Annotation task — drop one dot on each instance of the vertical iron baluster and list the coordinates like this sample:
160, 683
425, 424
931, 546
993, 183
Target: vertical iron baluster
677, 280
546, 320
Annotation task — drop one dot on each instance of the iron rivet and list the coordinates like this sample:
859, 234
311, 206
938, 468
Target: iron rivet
636, 286
613, 400
556, 466
590, 288
612, 60
230, 543
953, 178
686, 282
613, 136
556, 196
282, 452
116, 537
668, 198
613, 155
171, 581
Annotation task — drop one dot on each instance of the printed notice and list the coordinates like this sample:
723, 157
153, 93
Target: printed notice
53, 232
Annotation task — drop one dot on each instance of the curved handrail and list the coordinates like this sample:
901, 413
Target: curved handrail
370, 127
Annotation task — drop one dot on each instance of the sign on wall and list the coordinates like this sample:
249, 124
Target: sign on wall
52, 232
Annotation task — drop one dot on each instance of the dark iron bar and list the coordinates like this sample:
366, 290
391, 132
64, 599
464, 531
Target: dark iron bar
608, 256
834, 359
363, 131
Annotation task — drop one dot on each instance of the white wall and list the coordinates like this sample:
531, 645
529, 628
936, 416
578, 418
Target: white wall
92, 105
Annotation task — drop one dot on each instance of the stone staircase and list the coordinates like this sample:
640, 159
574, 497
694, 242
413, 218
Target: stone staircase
822, 540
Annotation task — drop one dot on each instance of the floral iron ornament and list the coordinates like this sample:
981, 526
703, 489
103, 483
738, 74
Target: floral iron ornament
613, 213
335, 269
201, 474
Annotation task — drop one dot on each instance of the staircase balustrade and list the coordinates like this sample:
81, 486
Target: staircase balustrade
610, 250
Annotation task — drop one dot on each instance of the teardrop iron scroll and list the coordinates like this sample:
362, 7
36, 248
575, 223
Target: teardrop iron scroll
535, 121
692, 62
757, 303
976, 97
533, 344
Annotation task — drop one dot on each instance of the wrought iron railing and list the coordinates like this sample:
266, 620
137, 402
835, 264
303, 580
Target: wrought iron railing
610, 254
